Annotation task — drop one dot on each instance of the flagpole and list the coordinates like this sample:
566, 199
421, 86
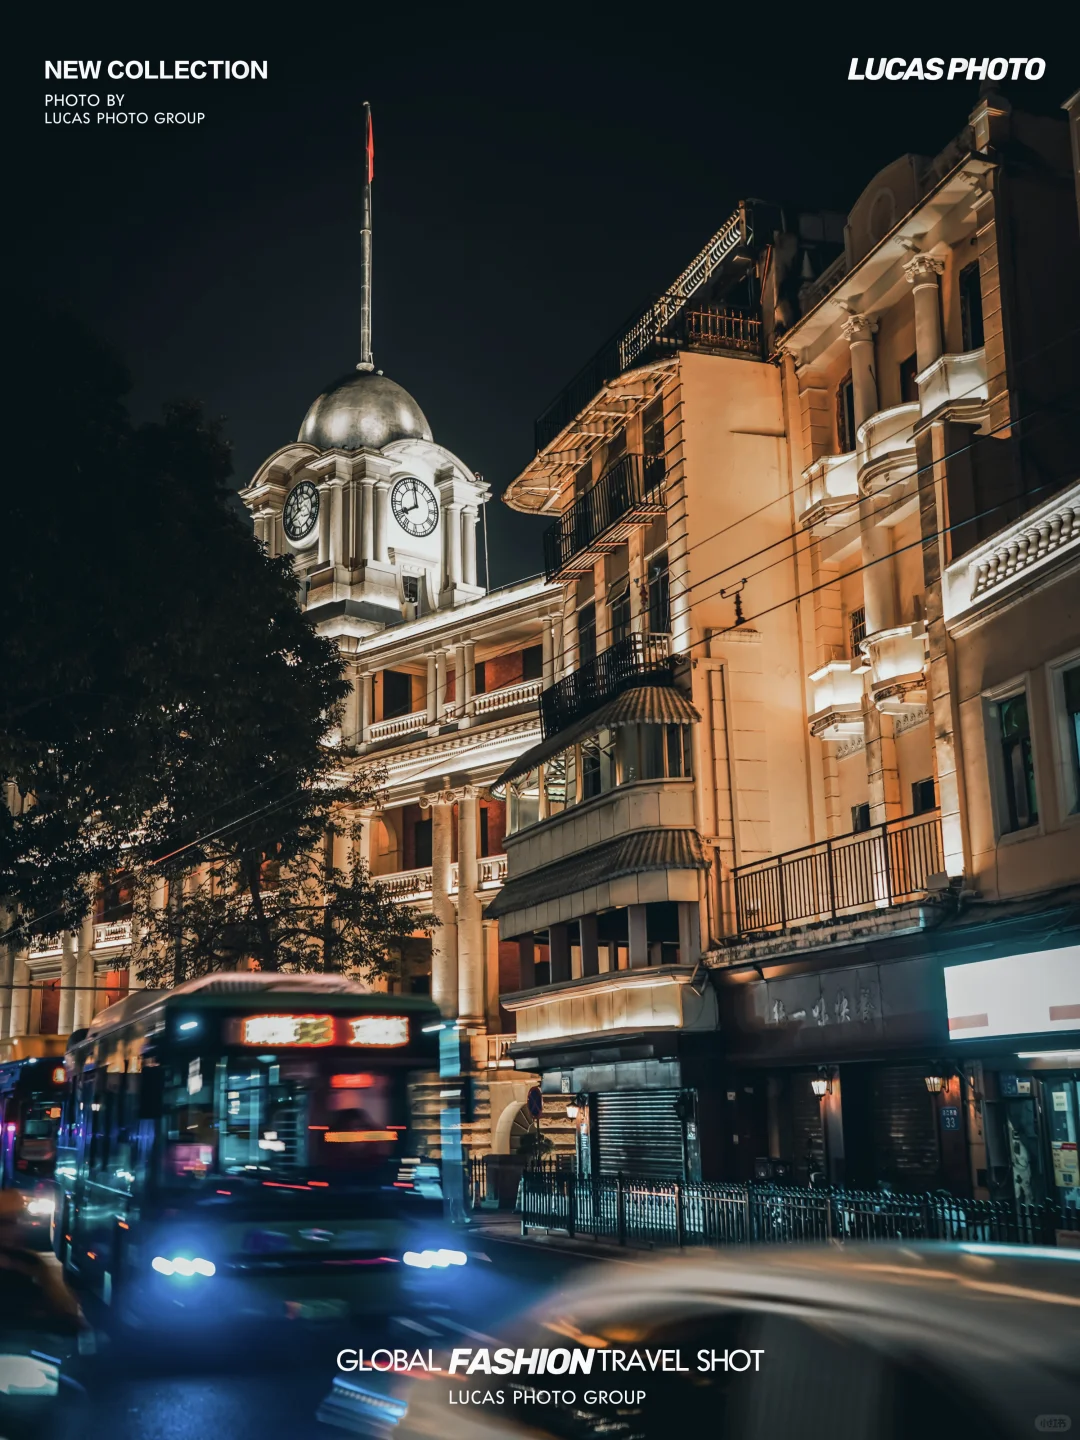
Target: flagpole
366, 361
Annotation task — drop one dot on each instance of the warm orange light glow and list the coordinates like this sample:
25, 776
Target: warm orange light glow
322, 1184
318, 1127
351, 1082
58, 1075
358, 1137
53, 1112
379, 1030
123, 1225
288, 1030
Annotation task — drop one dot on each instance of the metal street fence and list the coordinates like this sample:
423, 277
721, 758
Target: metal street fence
648, 1212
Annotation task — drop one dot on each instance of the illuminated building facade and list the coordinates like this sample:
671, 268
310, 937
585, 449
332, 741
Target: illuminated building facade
865, 774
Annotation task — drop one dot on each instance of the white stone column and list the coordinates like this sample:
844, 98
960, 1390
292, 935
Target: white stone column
19, 1013
363, 706
922, 272
468, 544
367, 518
470, 683
859, 332
382, 520
459, 680
69, 964
491, 973
440, 685
452, 544
432, 695
470, 936
569, 634
324, 525
85, 993
337, 528
547, 639
444, 955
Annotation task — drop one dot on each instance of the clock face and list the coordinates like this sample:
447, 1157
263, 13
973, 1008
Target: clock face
415, 508
301, 511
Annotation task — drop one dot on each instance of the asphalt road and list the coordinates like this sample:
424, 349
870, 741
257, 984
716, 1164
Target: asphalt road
269, 1386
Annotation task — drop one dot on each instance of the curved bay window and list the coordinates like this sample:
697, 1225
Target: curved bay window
598, 764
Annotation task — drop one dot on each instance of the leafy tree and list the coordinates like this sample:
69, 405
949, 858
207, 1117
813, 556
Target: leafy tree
307, 915
165, 702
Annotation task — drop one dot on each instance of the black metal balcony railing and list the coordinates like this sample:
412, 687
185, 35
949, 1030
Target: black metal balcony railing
706, 327
634, 660
875, 868
629, 492
635, 1210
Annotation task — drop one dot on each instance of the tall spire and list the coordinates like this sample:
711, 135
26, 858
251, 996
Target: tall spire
366, 362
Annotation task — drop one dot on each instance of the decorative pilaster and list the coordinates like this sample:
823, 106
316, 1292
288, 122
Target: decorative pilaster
468, 543
84, 976
470, 936
382, 518
367, 518
19, 1012
444, 953
69, 962
923, 273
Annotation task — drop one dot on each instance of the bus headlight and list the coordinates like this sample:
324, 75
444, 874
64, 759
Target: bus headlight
40, 1205
181, 1265
434, 1259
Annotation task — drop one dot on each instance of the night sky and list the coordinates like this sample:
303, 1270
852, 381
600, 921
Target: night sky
532, 187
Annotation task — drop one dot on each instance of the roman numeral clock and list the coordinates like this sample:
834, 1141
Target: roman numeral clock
415, 508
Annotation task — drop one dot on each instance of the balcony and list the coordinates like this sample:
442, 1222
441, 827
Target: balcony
832, 485
957, 382
1021, 556
508, 697
112, 933
627, 494
658, 329
634, 660
897, 660
398, 727
837, 695
410, 886
886, 865
886, 447
524, 692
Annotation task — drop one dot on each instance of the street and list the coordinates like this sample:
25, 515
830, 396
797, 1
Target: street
262, 1387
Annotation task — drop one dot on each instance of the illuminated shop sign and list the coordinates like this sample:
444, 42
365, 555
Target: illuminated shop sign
1031, 994
275, 1031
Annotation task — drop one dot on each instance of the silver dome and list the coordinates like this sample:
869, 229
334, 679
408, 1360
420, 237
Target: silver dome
363, 410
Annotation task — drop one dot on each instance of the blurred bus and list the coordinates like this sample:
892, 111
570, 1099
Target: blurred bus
245, 1145
31, 1095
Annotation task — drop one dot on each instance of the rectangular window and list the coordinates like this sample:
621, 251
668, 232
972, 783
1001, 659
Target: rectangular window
857, 630
586, 630
678, 752
480, 677
923, 796
422, 844
860, 818
971, 312
659, 595
845, 416
484, 843
619, 609
1019, 808
652, 435
397, 694
532, 662
1065, 682
909, 391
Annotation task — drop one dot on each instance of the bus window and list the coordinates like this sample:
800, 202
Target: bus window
188, 1109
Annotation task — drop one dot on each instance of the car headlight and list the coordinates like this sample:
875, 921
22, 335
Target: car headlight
40, 1205
28, 1375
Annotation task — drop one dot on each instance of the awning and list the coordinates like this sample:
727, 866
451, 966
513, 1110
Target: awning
643, 705
633, 854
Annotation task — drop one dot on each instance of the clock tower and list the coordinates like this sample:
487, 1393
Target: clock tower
380, 520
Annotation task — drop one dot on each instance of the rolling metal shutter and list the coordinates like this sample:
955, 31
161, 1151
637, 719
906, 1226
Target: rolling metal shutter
639, 1132
905, 1133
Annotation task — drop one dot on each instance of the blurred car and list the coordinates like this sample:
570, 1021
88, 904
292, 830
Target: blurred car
871, 1342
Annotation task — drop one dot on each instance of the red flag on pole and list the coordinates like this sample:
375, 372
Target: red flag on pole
369, 147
